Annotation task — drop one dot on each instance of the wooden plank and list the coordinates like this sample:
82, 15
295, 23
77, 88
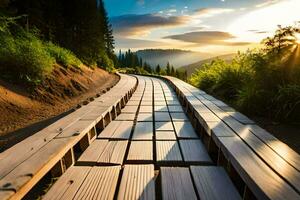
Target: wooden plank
173, 102
160, 103
67, 186
241, 118
176, 184
114, 152
276, 162
130, 109
165, 135
261, 179
100, 183
137, 182
292, 157
146, 103
175, 109
168, 151
146, 109
185, 130
133, 103
141, 151
164, 126
194, 151
179, 117
126, 117
145, 117
162, 117
219, 129
93, 152
143, 131
160, 108
117, 130
212, 183
22, 178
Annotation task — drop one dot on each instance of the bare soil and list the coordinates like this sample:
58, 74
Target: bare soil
24, 112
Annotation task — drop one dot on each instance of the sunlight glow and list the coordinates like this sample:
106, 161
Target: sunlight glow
260, 23
298, 38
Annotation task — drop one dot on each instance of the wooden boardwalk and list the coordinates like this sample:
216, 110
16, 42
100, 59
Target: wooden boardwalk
156, 147
166, 140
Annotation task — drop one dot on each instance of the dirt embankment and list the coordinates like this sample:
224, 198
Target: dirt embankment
61, 91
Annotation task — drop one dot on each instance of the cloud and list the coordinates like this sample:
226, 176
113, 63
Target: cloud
267, 3
207, 38
125, 43
133, 25
210, 12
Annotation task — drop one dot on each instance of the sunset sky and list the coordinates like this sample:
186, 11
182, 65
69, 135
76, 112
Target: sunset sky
211, 26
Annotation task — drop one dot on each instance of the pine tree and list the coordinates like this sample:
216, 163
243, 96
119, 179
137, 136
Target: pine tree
168, 69
158, 69
107, 29
173, 71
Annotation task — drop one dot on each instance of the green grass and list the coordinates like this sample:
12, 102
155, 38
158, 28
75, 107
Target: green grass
256, 83
62, 56
24, 57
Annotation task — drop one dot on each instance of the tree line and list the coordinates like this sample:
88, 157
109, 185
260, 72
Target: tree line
79, 25
129, 59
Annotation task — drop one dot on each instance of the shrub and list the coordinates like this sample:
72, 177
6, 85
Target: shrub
62, 56
23, 57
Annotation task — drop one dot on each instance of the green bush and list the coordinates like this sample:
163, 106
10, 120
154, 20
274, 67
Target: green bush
23, 57
62, 56
255, 82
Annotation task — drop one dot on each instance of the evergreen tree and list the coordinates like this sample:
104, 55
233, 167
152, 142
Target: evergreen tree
107, 29
173, 73
158, 69
168, 69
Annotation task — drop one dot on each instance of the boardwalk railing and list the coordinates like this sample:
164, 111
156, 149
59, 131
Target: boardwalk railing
260, 165
56, 148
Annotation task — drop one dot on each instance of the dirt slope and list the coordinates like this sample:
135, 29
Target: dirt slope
63, 90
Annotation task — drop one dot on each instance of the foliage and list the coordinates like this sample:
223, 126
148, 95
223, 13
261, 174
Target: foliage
82, 26
62, 55
22, 54
259, 82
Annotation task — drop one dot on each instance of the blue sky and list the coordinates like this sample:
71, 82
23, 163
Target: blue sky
219, 26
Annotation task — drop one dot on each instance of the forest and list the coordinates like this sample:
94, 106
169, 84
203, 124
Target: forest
35, 34
262, 82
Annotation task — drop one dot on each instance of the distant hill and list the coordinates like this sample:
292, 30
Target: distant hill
176, 57
191, 68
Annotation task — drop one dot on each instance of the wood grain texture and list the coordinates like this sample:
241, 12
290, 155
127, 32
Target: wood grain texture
175, 109
114, 152
143, 131
179, 117
168, 151
165, 135
164, 126
145, 117
162, 117
161, 108
146, 109
125, 117
185, 130
137, 183
176, 184
262, 180
68, 184
94, 151
140, 151
117, 130
212, 183
194, 151
100, 183
130, 109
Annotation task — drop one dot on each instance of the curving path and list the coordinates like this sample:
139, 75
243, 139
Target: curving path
150, 151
